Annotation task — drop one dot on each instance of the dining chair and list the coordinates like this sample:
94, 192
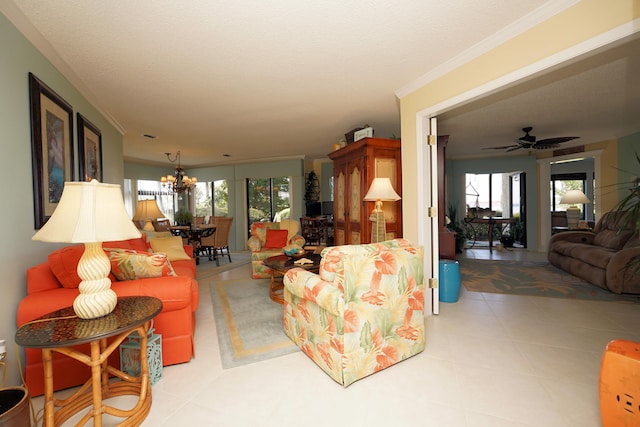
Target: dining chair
161, 224
220, 241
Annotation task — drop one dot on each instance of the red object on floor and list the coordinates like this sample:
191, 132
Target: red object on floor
620, 384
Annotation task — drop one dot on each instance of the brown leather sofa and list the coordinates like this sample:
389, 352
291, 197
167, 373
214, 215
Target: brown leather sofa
600, 257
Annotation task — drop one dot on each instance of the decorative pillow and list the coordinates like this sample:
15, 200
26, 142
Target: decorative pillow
156, 234
291, 225
64, 265
276, 239
131, 265
259, 229
172, 246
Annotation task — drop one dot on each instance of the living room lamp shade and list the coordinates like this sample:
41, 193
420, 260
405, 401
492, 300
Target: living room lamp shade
146, 211
379, 191
90, 213
573, 198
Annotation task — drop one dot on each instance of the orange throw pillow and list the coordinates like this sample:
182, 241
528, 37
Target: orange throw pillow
64, 265
276, 239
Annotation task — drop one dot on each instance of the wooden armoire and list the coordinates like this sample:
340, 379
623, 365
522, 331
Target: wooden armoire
354, 168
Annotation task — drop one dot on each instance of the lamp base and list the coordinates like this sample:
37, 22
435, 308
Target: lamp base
96, 297
573, 217
148, 226
379, 226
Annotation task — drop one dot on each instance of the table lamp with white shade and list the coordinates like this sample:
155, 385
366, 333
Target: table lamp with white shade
147, 210
380, 190
573, 198
90, 213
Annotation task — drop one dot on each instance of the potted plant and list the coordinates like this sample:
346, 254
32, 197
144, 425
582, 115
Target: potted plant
629, 206
183, 217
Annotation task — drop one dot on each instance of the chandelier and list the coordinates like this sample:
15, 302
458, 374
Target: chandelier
178, 182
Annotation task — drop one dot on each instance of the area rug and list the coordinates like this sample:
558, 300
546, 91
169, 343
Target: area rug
248, 322
208, 268
531, 278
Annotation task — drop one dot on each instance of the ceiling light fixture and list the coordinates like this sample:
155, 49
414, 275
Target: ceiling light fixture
178, 182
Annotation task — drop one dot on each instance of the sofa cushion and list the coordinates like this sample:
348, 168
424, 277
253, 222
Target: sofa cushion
149, 235
276, 239
292, 226
64, 265
633, 242
611, 239
131, 265
137, 244
172, 246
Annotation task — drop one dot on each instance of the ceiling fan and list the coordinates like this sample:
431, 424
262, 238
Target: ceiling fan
529, 141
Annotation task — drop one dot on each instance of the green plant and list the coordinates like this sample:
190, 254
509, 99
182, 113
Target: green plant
630, 205
629, 209
183, 217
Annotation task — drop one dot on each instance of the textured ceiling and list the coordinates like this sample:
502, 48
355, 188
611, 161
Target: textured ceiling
254, 79
258, 80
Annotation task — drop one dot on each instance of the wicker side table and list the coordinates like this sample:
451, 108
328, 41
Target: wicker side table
60, 330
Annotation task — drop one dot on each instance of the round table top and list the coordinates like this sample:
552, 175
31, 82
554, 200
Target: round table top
62, 328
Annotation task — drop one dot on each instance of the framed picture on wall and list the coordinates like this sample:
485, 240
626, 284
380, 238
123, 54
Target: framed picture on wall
89, 150
51, 148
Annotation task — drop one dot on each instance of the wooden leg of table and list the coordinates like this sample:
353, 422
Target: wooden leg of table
490, 237
96, 383
49, 408
276, 289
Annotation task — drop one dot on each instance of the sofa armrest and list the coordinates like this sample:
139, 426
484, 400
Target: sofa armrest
297, 240
307, 285
623, 271
254, 244
585, 237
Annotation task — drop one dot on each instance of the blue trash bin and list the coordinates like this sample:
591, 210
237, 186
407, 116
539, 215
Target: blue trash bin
449, 280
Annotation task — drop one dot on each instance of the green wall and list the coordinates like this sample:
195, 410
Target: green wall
18, 57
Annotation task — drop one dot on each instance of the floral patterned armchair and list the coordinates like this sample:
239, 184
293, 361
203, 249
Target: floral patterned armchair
362, 313
268, 239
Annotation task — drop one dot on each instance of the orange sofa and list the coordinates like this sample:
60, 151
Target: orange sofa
50, 286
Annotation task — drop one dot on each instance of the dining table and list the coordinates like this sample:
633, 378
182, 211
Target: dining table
194, 235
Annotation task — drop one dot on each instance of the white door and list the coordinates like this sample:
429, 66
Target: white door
427, 152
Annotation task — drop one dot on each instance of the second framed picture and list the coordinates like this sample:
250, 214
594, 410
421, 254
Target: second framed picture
89, 150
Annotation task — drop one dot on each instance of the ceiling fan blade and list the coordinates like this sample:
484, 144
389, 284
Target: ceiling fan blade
557, 140
500, 148
516, 148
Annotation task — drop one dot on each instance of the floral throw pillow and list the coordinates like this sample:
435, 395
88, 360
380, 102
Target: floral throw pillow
131, 265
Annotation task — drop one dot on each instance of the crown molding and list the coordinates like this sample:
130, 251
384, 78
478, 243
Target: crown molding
539, 15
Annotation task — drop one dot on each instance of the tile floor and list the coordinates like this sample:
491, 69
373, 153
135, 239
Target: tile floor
490, 360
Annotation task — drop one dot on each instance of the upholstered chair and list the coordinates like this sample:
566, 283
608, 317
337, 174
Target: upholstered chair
362, 313
268, 239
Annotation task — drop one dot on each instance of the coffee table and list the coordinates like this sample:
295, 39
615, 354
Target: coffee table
280, 264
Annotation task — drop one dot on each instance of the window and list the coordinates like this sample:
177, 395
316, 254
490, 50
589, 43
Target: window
488, 193
153, 190
268, 199
563, 182
202, 196
220, 197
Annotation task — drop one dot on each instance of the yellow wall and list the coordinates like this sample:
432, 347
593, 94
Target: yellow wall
579, 23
